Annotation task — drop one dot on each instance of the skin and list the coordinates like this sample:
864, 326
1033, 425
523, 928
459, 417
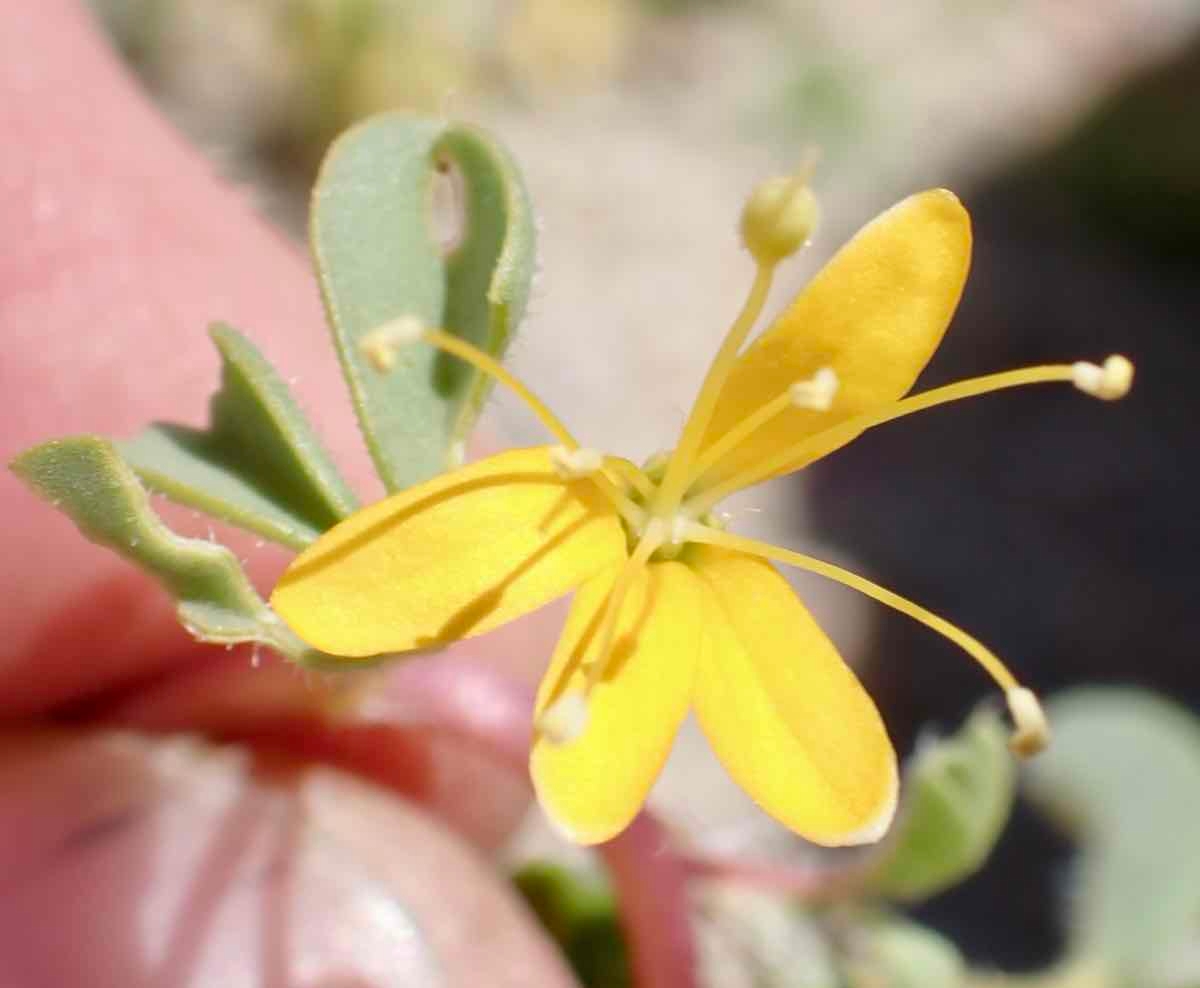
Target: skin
170, 814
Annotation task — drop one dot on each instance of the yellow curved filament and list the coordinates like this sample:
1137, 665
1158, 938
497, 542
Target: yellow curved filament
844, 431
745, 428
485, 363
628, 472
973, 647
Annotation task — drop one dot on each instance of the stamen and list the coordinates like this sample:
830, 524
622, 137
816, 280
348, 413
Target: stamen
634, 477
653, 537
1031, 732
565, 719
381, 344
819, 443
1108, 382
1030, 723
817, 393
574, 464
679, 467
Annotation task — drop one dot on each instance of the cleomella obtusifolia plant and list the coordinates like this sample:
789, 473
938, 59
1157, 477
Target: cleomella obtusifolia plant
672, 611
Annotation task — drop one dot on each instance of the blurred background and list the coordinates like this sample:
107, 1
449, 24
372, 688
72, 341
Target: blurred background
1061, 531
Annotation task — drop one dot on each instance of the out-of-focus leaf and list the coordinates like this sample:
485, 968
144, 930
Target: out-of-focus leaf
1123, 775
580, 914
900, 954
380, 256
1178, 966
85, 477
958, 793
258, 465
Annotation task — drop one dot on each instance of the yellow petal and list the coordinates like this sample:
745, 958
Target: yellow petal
784, 714
874, 315
593, 786
450, 558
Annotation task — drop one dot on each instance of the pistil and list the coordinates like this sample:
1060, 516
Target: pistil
679, 467
777, 220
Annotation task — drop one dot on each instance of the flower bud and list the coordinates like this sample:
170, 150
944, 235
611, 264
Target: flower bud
779, 218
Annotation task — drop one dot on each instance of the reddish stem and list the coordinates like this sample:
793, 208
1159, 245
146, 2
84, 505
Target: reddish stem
651, 884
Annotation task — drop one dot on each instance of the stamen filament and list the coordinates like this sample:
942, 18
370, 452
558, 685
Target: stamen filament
585, 463
633, 514
566, 718
745, 428
488, 364
679, 467
973, 647
835, 436
380, 346
631, 474
654, 536
816, 394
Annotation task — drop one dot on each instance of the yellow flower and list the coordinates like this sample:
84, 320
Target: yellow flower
671, 612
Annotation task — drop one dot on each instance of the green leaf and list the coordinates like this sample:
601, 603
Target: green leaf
258, 465
1123, 775
958, 794
579, 912
379, 257
85, 477
901, 954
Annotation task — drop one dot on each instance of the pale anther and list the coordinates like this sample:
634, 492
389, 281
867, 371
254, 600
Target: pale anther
565, 719
1031, 730
1108, 382
573, 464
817, 392
380, 345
